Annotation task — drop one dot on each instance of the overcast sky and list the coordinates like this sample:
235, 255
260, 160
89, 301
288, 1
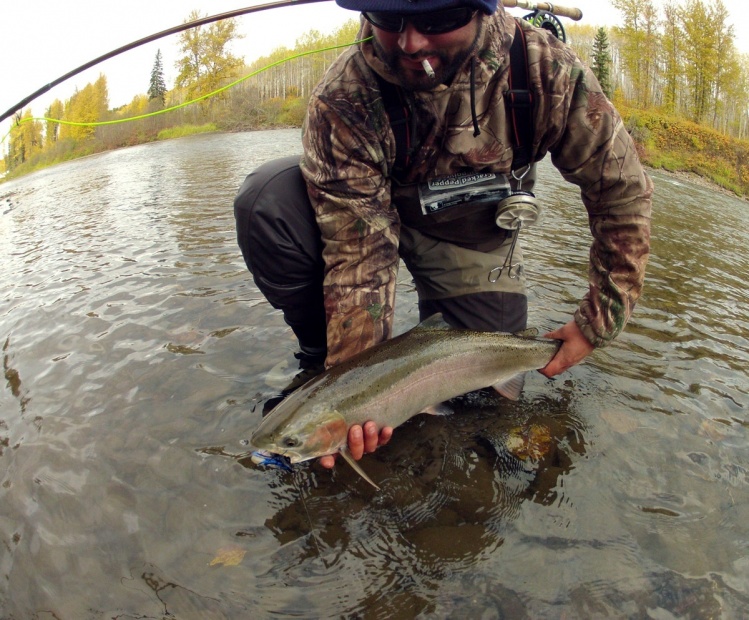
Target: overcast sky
41, 40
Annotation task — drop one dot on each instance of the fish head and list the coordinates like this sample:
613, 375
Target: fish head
303, 435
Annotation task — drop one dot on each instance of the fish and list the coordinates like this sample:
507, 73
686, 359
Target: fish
396, 380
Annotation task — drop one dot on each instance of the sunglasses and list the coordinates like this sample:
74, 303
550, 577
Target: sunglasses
434, 22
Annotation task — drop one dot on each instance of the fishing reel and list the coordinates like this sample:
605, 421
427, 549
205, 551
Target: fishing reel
520, 208
547, 21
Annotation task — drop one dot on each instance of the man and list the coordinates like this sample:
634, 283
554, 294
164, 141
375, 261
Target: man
448, 62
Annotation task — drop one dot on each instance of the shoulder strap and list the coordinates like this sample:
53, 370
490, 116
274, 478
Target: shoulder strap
519, 101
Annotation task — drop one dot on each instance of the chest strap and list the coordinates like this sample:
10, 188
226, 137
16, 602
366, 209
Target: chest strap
519, 101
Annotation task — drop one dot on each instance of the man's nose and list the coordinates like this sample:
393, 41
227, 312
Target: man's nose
411, 41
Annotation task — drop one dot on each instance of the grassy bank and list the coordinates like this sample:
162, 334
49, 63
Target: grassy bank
678, 145
185, 130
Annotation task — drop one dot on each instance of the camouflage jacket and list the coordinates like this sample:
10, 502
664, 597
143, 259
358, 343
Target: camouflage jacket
349, 152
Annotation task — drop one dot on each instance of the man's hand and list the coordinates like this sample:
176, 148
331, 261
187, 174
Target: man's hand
361, 440
575, 347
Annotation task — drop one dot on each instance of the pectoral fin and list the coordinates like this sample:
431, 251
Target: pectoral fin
350, 460
512, 388
440, 409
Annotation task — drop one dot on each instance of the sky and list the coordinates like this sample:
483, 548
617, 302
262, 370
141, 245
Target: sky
41, 40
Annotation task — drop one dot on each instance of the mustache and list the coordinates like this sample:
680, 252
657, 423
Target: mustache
419, 56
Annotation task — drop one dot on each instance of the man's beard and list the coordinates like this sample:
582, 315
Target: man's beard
448, 67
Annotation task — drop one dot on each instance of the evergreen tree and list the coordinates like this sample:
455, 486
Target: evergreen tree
601, 65
157, 86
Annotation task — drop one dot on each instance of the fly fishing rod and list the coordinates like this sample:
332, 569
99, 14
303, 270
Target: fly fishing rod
547, 7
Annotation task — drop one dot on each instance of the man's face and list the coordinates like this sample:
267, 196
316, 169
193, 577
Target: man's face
403, 52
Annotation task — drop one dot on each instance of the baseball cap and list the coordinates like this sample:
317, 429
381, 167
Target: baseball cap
415, 6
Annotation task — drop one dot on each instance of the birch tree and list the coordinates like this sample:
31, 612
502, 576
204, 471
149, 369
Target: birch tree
89, 105
672, 58
52, 129
207, 63
639, 46
25, 141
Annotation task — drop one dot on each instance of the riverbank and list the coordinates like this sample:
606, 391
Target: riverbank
696, 179
690, 151
676, 146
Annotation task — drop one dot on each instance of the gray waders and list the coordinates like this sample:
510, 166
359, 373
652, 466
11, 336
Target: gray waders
282, 247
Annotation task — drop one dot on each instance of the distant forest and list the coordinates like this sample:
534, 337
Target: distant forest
677, 59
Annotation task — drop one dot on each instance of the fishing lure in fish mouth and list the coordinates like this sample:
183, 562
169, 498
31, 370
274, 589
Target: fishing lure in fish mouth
268, 459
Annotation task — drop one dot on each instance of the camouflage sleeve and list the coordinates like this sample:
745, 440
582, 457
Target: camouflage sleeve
343, 165
596, 153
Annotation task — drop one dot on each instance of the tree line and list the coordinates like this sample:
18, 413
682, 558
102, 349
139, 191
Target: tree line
678, 57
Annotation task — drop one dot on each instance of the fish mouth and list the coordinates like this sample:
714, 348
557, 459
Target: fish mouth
290, 458
295, 457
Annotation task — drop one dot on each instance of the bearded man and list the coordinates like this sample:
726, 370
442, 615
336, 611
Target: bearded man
410, 150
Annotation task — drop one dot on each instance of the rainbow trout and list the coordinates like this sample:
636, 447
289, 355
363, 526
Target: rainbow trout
395, 380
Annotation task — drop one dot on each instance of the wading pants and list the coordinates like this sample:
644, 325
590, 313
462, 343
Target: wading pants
281, 245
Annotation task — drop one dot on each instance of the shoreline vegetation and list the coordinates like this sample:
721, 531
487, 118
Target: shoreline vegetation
679, 147
672, 72
690, 151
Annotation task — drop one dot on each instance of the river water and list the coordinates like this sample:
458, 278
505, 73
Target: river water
136, 353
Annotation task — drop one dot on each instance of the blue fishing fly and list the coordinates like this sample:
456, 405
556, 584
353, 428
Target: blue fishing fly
262, 457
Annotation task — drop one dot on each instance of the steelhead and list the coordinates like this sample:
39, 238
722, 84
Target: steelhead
395, 380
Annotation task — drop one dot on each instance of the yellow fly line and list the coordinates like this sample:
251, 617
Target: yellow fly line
186, 103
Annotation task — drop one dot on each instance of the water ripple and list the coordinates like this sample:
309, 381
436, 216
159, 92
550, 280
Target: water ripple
133, 337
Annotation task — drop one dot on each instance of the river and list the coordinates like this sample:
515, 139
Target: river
136, 353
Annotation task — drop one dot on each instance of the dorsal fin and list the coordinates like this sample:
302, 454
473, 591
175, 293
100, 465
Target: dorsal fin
436, 321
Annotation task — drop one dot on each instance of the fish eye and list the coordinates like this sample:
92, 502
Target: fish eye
290, 442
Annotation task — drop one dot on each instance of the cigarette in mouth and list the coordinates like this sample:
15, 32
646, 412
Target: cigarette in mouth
427, 68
